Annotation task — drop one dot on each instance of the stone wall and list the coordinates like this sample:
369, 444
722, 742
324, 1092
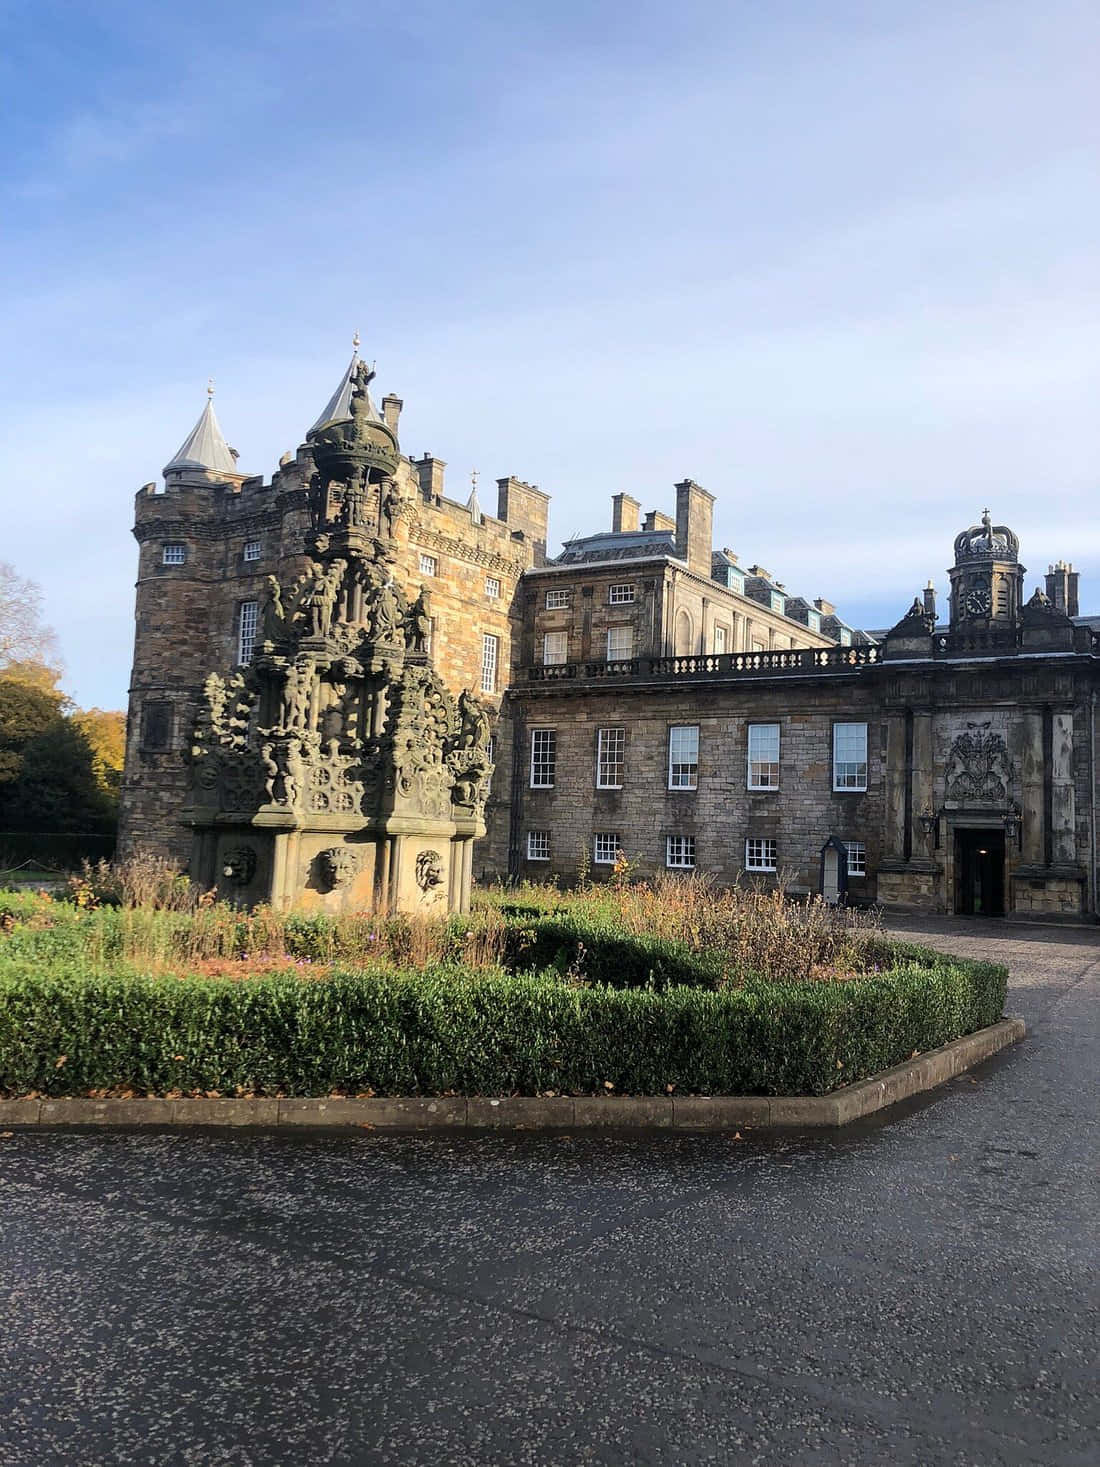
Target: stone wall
722, 812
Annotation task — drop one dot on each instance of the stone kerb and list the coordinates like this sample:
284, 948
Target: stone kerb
560, 1112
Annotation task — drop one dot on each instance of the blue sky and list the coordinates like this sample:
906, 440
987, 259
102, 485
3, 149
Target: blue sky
838, 262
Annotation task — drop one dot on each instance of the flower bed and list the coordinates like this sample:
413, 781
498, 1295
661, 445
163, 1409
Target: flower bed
109, 1002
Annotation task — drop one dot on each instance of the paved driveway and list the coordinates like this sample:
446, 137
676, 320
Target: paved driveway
922, 1291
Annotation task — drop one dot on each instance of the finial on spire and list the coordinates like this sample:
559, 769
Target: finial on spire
472, 503
355, 342
210, 387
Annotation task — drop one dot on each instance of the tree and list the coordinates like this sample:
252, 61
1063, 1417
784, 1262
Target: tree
23, 637
105, 731
56, 787
26, 713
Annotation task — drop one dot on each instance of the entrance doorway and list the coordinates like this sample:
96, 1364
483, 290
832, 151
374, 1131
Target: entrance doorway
980, 873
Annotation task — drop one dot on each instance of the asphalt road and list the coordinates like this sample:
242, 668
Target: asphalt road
923, 1291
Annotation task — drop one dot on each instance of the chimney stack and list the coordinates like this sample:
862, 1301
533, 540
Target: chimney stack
391, 410
930, 600
694, 526
624, 513
429, 471
1062, 587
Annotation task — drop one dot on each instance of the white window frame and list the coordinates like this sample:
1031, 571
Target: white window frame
492, 587
849, 774
538, 845
857, 857
173, 552
429, 565
721, 641
614, 654
760, 853
680, 852
248, 624
621, 594
544, 758
253, 550
490, 661
762, 781
552, 644
610, 758
557, 600
600, 842
683, 773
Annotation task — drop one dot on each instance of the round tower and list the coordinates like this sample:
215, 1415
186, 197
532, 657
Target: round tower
987, 578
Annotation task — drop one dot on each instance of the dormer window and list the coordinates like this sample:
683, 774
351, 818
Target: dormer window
174, 554
813, 620
778, 602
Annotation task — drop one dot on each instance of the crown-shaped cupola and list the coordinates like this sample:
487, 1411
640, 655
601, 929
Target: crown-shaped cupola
354, 451
987, 578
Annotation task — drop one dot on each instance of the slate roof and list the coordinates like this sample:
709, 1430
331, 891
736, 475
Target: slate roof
204, 447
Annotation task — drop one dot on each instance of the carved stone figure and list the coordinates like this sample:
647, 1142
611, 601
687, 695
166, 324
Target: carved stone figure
273, 616
339, 866
271, 771
978, 767
418, 624
293, 771
429, 870
239, 865
386, 614
388, 500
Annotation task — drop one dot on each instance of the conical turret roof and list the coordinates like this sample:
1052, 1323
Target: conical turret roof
338, 407
205, 446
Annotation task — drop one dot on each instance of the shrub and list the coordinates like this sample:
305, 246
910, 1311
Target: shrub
69, 1031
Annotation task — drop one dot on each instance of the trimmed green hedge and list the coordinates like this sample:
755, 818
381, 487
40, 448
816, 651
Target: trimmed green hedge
446, 1030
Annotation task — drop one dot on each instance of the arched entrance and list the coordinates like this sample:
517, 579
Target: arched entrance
979, 872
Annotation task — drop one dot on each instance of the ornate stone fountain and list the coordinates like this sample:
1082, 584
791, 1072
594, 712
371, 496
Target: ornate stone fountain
336, 770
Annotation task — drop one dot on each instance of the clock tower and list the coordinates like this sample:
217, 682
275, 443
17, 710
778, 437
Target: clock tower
986, 579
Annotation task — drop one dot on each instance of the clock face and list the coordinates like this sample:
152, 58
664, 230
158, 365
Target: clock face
977, 601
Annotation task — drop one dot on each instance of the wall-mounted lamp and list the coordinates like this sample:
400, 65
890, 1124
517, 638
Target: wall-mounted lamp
929, 820
1012, 823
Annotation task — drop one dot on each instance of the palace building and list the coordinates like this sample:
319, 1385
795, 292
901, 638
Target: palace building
645, 691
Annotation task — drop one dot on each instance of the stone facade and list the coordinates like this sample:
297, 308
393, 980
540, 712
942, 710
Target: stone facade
937, 767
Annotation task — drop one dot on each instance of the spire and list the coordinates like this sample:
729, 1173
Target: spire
471, 504
338, 407
205, 447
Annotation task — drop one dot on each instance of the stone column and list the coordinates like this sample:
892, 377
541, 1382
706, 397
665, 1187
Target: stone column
923, 781
1063, 804
894, 787
1031, 787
